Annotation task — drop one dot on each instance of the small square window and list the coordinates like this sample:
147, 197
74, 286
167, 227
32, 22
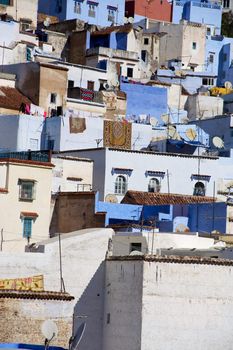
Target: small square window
135, 246
194, 45
224, 57
26, 190
211, 58
92, 10
130, 72
111, 15
146, 41
53, 98
77, 7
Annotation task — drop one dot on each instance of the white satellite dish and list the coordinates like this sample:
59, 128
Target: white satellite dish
49, 329
154, 121
107, 86
125, 19
218, 142
136, 252
172, 133
228, 85
131, 20
191, 134
78, 336
47, 22
111, 198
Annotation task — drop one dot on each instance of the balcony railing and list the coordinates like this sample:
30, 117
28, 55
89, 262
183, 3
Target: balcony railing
84, 188
37, 156
85, 95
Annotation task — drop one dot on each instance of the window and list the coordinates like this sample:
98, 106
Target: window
77, 7
207, 81
111, 15
199, 189
6, 2
211, 58
120, 185
154, 185
130, 72
224, 57
208, 31
143, 55
90, 85
29, 54
27, 228
194, 45
26, 190
92, 10
135, 246
146, 41
226, 4
70, 84
53, 98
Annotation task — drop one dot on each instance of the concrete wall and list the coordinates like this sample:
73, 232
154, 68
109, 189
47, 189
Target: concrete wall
75, 211
22, 10
167, 305
147, 100
72, 168
203, 107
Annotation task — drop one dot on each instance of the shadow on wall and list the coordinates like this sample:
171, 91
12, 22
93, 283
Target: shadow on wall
89, 309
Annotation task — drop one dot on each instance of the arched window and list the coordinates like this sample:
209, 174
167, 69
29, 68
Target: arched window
199, 189
154, 185
120, 185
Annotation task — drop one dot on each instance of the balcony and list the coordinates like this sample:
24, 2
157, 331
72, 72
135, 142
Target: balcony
36, 156
85, 95
111, 53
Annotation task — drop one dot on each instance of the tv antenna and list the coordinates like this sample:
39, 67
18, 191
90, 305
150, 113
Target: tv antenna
50, 331
98, 141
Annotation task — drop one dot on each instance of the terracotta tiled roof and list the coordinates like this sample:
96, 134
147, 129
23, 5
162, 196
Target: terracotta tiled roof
155, 198
29, 214
174, 259
11, 98
35, 295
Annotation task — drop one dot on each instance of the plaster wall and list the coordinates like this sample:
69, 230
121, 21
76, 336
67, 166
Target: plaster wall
13, 206
22, 10
203, 107
65, 168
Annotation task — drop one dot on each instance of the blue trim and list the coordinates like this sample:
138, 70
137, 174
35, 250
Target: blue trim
27, 346
109, 7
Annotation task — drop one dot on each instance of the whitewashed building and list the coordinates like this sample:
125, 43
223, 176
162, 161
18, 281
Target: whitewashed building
117, 170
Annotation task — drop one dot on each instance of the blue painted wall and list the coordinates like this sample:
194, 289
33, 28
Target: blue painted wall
199, 12
121, 39
142, 99
202, 217
64, 9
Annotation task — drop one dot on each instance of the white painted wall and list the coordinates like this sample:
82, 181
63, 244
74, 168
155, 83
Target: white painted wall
167, 306
83, 273
76, 168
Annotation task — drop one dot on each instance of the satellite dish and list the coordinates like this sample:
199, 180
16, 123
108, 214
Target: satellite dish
114, 82
136, 252
111, 198
78, 336
228, 85
131, 20
49, 329
106, 86
182, 228
154, 121
47, 22
125, 20
191, 134
218, 142
165, 118
172, 133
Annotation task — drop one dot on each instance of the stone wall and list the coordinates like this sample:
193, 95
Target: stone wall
25, 317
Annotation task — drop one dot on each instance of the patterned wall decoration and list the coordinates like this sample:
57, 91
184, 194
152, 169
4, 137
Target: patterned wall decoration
35, 283
117, 134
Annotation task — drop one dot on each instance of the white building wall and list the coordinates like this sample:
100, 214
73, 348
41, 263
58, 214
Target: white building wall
167, 306
123, 303
186, 306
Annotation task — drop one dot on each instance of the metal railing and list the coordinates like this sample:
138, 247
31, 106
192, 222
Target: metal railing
37, 156
85, 95
84, 188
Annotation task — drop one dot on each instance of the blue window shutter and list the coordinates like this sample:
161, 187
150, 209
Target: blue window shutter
27, 227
